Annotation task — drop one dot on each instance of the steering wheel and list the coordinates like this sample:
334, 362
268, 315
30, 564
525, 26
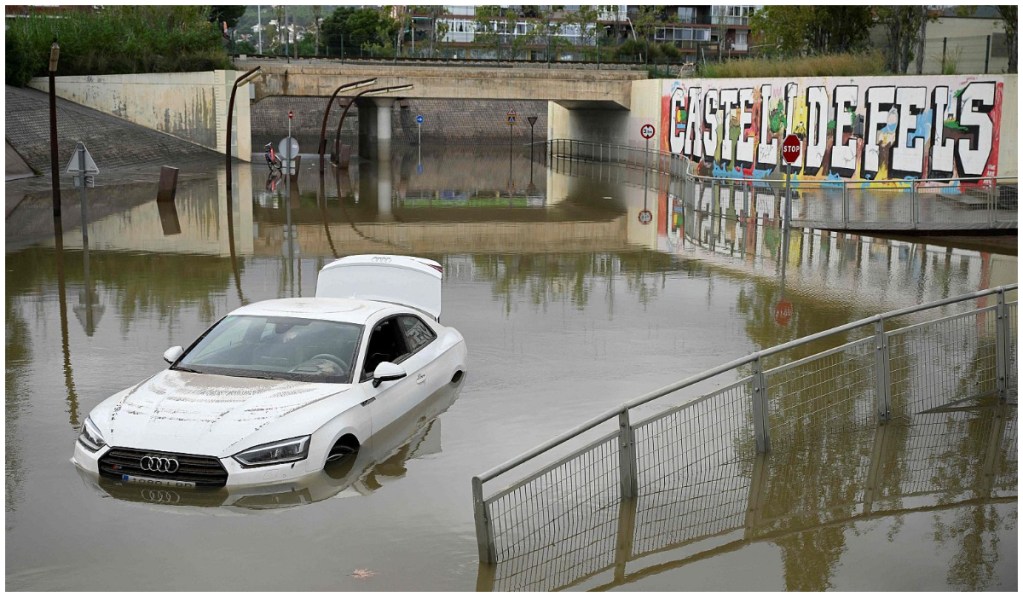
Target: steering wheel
332, 358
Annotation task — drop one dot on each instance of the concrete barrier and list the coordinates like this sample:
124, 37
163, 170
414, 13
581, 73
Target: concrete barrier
189, 106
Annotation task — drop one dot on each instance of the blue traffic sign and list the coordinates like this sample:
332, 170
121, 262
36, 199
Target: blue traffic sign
419, 119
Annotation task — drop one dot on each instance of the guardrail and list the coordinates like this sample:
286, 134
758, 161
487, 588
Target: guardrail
981, 203
853, 376
940, 461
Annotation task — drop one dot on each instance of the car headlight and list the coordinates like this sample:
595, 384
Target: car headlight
288, 450
90, 436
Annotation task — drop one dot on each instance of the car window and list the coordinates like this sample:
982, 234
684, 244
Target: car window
386, 343
417, 333
277, 348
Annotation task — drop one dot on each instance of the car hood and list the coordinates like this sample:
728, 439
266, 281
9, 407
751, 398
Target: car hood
191, 413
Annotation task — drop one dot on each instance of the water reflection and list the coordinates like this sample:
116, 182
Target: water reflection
956, 467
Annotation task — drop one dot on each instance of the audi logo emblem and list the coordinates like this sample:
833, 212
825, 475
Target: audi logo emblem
159, 464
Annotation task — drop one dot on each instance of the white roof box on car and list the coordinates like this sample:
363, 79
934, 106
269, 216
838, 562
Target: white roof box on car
410, 281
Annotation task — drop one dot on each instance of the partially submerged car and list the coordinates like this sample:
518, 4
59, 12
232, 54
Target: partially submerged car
277, 389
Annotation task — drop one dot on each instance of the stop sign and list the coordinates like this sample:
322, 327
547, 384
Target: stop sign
790, 149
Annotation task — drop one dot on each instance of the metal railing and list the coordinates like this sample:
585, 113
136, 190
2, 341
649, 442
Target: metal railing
854, 376
940, 460
982, 203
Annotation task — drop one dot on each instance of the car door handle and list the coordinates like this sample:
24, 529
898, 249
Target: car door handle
366, 402
421, 378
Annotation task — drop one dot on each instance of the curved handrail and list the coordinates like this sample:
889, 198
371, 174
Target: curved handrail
645, 398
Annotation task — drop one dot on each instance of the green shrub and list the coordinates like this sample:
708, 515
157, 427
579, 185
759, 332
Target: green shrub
115, 40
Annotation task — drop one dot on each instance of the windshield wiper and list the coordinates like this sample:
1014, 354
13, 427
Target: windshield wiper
186, 369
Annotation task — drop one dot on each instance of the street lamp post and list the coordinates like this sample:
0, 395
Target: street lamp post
54, 168
326, 113
337, 135
230, 117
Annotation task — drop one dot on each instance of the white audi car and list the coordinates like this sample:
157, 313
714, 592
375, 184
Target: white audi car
277, 389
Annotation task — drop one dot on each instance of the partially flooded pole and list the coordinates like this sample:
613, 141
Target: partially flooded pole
230, 118
54, 172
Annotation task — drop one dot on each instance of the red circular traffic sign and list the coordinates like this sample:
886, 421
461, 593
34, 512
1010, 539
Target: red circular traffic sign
645, 217
791, 148
291, 114
647, 130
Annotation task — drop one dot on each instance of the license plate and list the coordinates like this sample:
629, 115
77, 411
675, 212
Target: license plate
158, 482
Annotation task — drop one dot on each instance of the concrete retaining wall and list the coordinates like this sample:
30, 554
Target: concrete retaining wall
189, 106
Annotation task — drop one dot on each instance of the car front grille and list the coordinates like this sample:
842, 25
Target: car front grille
204, 471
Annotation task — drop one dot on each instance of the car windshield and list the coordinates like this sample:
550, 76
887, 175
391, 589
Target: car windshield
288, 348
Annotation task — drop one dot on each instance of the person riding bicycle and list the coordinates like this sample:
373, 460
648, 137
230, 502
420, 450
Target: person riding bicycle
272, 161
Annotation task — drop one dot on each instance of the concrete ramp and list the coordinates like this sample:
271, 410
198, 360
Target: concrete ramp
17, 167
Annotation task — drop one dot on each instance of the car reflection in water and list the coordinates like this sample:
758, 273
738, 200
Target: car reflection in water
380, 459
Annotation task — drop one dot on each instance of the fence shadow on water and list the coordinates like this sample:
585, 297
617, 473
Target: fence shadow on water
909, 411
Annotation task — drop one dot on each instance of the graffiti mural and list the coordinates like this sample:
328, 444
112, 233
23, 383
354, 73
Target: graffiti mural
867, 128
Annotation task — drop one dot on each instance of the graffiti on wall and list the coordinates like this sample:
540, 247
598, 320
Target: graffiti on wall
882, 129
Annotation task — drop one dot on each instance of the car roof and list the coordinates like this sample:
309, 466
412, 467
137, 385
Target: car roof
356, 311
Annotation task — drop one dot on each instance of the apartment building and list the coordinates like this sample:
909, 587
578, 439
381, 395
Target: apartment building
487, 32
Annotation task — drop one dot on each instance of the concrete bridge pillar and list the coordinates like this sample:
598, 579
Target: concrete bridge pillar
384, 106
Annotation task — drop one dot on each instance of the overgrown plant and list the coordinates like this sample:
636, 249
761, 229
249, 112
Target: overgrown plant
115, 40
851, 65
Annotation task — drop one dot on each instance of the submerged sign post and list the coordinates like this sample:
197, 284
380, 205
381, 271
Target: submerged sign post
647, 131
84, 169
790, 150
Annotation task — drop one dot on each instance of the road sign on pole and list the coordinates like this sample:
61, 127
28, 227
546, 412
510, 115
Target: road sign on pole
81, 162
790, 150
419, 119
647, 130
512, 115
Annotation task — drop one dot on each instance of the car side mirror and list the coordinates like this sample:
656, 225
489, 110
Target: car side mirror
172, 353
387, 371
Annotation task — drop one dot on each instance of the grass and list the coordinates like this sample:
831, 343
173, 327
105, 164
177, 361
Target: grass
850, 65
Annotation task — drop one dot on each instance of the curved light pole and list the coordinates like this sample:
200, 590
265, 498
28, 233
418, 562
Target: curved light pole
337, 136
326, 113
230, 117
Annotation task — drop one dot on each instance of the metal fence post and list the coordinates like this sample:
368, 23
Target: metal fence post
915, 195
626, 455
484, 530
1003, 337
882, 373
845, 205
760, 428
991, 194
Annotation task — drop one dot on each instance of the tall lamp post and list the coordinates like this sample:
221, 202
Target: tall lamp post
326, 113
337, 136
54, 168
230, 117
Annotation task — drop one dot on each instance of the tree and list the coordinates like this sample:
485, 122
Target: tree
358, 28
904, 26
226, 14
1011, 22
790, 30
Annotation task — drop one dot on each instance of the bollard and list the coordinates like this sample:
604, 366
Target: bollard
168, 184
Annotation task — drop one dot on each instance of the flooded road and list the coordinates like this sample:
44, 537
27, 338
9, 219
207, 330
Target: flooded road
575, 291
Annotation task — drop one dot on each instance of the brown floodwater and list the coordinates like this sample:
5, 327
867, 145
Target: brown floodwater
576, 291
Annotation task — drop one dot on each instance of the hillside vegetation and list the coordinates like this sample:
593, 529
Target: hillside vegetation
115, 40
